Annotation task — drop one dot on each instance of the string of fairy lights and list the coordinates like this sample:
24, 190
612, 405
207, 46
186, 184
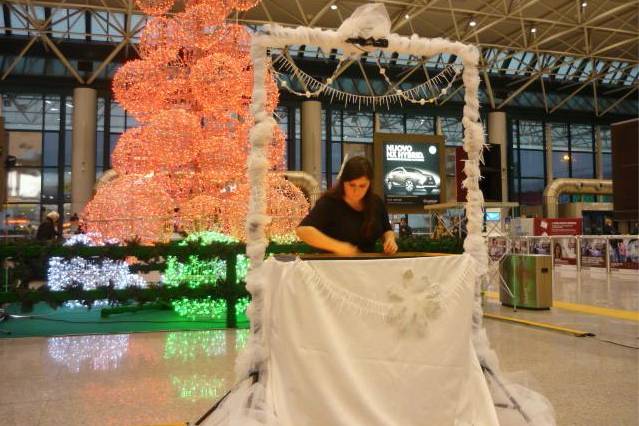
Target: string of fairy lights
285, 69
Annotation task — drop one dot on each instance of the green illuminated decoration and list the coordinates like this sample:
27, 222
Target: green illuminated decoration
241, 305
241, 338
198, 387
207, 308
196, 271
186, 346
206, 238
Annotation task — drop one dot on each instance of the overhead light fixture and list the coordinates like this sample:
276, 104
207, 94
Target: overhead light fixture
566, 157
334, 6
407, 16
472, 23
533, 30
584, 4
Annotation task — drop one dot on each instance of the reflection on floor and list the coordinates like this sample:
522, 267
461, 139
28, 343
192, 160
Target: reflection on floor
160, 378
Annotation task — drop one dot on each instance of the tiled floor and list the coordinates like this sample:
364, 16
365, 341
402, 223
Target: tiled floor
159, 378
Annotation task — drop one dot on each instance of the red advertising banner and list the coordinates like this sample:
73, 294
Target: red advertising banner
564, 251
593, 252
624, 253
563, 226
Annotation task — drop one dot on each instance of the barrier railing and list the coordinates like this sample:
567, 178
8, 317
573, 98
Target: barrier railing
610, 252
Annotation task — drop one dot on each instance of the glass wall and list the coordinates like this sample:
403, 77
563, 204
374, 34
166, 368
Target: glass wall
528, 164
606, 151
573, 156
36, 125
39, 149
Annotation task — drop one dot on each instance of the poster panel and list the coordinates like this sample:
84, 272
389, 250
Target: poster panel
624, 253
593, 252
520, 246
497, 248
539, 246
564, 251
409, 170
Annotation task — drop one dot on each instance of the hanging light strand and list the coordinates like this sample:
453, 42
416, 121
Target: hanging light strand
427, 92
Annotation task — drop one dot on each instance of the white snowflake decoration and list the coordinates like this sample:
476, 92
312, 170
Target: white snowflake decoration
416, 302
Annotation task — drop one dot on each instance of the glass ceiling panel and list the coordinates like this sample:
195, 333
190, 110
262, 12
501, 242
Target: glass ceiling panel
496, 66
18, 24
632, 76
586, 71
514, 63
98, 27
565, 67
611, 72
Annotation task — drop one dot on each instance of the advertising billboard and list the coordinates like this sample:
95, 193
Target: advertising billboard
409, 170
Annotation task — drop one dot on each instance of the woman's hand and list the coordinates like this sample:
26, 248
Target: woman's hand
390, 246
345, 249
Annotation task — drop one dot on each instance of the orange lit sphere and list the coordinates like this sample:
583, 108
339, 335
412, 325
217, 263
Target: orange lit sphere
222, 156
203, 16
144, 87
287, 205
217, 85
161, 39
154, 7
222, 211
243, 5
164, 144
130, 207
276, 150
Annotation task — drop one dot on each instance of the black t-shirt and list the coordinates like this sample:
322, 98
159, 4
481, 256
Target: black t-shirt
335, 218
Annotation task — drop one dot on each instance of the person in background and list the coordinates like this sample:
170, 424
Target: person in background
609, 228
48, 230
405, 230
74, 226
349, 218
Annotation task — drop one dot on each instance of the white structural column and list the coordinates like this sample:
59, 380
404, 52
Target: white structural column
312, 139
498, 135
85, 109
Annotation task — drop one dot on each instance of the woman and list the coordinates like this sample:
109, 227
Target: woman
349, 218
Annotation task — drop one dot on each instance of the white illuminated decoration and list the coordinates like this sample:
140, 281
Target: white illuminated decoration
79, 240
91, 274
101, 353
77, 304
432, 150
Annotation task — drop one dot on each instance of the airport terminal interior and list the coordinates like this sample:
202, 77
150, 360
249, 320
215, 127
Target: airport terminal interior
319, 212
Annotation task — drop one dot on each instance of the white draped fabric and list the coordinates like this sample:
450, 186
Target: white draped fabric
384, 342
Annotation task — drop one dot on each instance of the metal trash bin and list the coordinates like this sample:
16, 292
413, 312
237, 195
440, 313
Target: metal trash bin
529, 279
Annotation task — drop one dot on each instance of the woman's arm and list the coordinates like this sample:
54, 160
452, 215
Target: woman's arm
316, 238
388, 240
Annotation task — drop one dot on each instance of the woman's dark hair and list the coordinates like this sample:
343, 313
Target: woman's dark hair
355, 168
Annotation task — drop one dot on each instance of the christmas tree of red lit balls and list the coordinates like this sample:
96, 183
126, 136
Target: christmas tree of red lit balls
184, 167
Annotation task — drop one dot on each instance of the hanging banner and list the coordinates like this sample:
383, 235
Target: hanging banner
624, 253
564, 251
593, 252
563, 226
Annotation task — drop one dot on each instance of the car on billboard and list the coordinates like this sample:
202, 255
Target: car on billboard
412, 179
